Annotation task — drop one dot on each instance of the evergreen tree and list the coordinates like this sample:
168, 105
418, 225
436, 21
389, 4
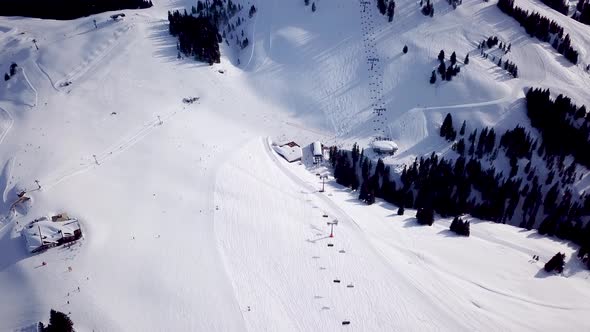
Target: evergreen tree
425, 216
306, 2
556, 263
400, 211
461, 147
391, 10
382, 6
313, 8
446, 130
13, 67
252, 11
441, 56
460, 227
59, 322
442, 69
405, 49
466, 61
453, 58
462, 131
450, 73
6, 76
433, 78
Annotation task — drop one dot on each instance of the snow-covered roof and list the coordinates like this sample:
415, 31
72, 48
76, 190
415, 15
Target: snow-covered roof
384, 146
51, 232
291, 154
317, 148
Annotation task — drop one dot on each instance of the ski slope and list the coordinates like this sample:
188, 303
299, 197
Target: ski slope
192, 223
405, 277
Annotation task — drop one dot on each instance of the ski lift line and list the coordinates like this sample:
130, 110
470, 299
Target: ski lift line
105, 155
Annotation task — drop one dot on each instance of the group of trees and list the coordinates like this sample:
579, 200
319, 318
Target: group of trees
447, 73
565, 128
58, 322
542, 28
559, 5
386, 7
490, 42
583, 12
493, 41
67, 9
470, 184
197, 36
428, 8
459, 226
509, 67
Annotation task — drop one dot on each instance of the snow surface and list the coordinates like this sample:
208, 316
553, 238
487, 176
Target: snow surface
190, 218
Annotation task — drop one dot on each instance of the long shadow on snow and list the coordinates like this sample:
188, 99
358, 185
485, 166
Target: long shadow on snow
13, 250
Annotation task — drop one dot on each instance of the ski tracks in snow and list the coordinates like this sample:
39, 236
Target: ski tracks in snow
98, 55
6, 122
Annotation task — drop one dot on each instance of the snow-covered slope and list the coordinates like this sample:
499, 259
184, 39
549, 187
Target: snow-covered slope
189, 219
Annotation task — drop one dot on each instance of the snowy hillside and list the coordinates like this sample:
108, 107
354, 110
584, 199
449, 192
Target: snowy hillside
192, 223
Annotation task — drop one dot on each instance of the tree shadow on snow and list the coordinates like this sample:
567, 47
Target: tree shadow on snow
166, 46
411, 222
447, 233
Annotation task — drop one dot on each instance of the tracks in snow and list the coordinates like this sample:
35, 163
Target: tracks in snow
99, 54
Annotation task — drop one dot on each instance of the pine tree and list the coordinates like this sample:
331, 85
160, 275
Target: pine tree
13, 67
59, 322
442, 69
433, 77
453, 58
313, 7
400, 211
441, 56
446, 128
556, 263
466, 61
405, 49
425, 216
390, 10
462, 131
306, 2
382, 6
6, 76
461, 147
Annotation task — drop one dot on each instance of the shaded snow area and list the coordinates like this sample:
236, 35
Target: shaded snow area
192, 222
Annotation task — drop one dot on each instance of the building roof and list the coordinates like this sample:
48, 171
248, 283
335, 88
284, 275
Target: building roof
291, 154
290, 144
51, 232
317, 149
384, 146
